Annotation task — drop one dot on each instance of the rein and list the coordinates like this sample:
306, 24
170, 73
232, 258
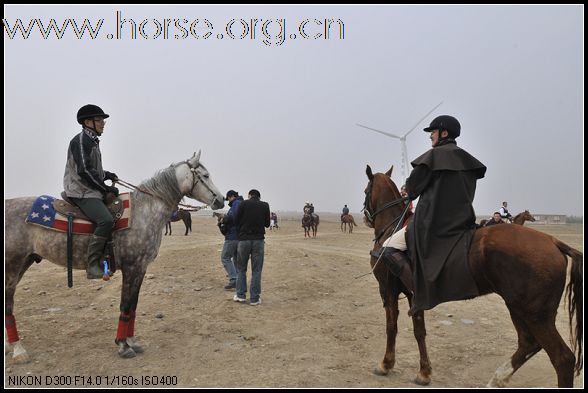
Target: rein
370, 217
196, 178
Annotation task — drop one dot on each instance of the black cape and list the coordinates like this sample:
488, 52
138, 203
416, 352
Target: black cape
443, 225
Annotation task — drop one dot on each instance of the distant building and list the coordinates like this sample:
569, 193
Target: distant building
549, 219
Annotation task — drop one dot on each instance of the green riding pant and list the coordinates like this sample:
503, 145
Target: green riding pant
98, 213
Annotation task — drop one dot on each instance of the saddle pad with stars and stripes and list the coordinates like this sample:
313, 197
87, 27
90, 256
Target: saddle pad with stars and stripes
44, 214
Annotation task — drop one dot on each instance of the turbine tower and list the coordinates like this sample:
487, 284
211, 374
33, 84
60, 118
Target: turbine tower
404, 151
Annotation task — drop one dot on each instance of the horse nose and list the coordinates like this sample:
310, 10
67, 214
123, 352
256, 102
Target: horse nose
218, 203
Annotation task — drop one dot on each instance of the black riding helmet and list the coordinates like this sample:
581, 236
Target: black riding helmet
90, 111
445, 122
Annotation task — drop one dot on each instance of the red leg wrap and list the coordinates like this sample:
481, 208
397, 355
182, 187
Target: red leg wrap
10, 324
123, 326
131, 328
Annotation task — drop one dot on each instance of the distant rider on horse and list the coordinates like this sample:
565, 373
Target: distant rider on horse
345, 211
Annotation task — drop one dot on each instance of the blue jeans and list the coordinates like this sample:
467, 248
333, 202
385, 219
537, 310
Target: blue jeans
229, 259
255, 249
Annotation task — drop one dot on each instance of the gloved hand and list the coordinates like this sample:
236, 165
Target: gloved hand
110, 176
113, 190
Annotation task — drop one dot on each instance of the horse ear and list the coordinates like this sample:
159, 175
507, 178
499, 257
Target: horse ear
195, 159
389, 173
369, 173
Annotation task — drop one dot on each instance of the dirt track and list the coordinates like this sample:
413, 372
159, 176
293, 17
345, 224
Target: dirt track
317, 326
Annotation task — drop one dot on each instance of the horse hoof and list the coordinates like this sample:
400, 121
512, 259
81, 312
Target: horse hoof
126, 352
138, 348
135, 346
380, 372
421, 380
23, 358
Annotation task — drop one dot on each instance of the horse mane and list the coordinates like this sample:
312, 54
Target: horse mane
164, 185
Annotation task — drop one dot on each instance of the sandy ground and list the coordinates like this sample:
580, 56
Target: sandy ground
318, 326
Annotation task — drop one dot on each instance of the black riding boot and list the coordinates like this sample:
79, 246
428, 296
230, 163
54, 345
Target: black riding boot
398, 263
95, 253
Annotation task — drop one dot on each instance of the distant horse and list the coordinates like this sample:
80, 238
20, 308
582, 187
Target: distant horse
520, 218
310, 222
347, 221
183, 215
134, 248
525, 267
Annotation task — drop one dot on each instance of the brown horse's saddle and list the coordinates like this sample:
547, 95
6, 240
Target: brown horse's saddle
67, 207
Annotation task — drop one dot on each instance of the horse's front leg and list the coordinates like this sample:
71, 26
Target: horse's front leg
390, 299
125, 335
420, 333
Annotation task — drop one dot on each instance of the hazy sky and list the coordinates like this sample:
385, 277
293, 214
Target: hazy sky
281, 116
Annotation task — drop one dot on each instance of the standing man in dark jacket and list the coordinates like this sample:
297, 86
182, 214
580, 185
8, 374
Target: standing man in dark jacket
84, 182
229, 253
441, 230
252, 219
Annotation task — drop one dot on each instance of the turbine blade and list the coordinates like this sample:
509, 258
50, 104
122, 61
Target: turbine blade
424, 117
381, 132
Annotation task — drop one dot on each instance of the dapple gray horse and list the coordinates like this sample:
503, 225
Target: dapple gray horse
135, 247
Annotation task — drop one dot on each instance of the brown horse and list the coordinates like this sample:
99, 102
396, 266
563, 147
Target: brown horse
310, 222
347, 221
178, 215
520, 218
525, 267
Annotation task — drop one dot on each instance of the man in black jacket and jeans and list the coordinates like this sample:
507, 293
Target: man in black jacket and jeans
252, 218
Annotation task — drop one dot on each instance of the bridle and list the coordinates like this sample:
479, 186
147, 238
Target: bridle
370, 215
197, 178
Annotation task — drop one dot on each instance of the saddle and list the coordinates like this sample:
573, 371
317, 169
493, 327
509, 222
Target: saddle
66, 207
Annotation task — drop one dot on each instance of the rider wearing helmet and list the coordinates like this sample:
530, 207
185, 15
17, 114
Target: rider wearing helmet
439, 235
84, 182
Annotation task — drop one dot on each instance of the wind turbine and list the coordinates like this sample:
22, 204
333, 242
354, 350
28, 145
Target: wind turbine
404, 158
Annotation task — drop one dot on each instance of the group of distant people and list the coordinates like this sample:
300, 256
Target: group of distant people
499, 216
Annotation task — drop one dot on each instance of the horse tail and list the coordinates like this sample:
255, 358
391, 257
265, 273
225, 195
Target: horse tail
574, 295
353, 221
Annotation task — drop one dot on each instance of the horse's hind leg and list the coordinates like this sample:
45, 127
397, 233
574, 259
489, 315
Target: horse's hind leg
420, 334
528, 346
12, 278
559, 353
